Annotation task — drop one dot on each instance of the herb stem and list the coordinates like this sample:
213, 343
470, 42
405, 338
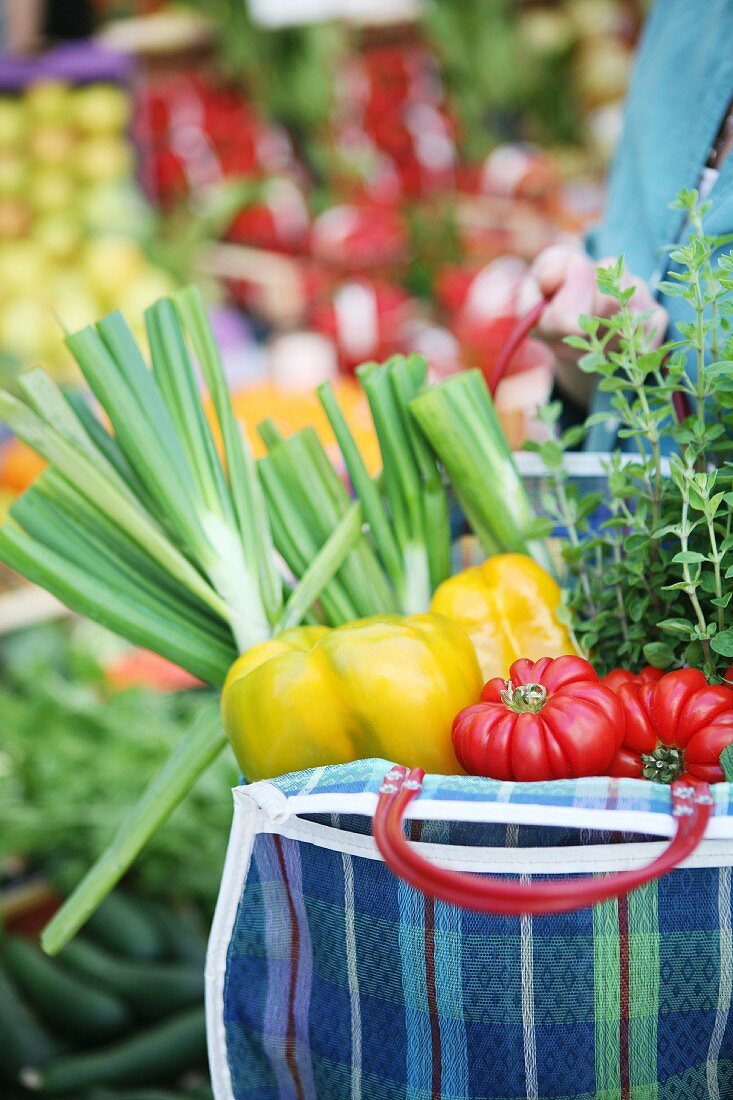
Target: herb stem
716, 559
616, 552
690, 586
568, 518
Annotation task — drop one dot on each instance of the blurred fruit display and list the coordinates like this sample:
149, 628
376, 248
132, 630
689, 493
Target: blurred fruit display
391, 103
393, 164
72, 221
197, 129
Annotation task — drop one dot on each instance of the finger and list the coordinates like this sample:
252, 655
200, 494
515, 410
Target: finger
575, 297
529, 295
550, 267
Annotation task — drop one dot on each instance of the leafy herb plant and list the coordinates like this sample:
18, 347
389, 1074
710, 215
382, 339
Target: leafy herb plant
650, 581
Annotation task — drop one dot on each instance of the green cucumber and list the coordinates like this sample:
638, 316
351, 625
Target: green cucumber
152, 990
23, 1041
182, 942
140, 1094
67, 1003
121, 926
158, 1055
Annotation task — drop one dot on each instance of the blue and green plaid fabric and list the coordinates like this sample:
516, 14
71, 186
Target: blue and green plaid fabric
344, 984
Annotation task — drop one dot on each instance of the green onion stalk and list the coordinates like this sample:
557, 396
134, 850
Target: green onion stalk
459, 420
406, 508
307, 499
140, 524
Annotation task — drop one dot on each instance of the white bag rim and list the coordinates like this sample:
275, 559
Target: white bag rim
279, 808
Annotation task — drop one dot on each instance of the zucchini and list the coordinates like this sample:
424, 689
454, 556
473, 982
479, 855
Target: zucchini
140, 1094
152, 990
23, 1041
121, 926
182, 942
158, 1055
67, 1003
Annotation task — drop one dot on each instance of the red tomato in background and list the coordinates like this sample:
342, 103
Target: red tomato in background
366, 319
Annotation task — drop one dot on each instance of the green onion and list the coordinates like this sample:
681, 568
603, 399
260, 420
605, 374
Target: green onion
107, 445
298, 544
174, 373
408, 378
459, 420
365, 487
109, 495
324, 566
198, 748
247, 494
313, 487
148, 531
196, 751
114, 606
409, 524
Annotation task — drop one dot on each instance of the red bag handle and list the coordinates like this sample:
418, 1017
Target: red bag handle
519, 334
691, 807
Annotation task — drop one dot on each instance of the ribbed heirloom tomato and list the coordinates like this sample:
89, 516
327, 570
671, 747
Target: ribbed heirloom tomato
623, 676
675, 724
553, 719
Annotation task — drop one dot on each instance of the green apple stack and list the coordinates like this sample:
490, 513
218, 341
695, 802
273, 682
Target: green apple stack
69, 208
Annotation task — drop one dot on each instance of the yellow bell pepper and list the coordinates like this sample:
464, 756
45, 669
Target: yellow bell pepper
384, 686
508, 607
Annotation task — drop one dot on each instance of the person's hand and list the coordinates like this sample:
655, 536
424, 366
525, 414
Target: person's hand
567, 277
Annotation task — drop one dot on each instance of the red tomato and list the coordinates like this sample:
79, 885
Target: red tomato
170, 177
355, 236
620, 676
677, 724
553, 719
365, 318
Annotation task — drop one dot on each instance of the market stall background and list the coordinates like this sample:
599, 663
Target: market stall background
342, 189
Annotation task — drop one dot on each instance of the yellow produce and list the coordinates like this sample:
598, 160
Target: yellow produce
103, 158
27, 328
508, 607
73, 303
52, 145
101, 108
57, 235
111, 265
152, 284
15, 218
12, 174
23, 269
12, 122
384, 686
48, 101
51, 190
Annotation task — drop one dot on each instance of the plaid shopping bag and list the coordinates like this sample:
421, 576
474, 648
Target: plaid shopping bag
330, 978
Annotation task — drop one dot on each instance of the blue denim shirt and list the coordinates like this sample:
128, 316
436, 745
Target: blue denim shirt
680, 93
